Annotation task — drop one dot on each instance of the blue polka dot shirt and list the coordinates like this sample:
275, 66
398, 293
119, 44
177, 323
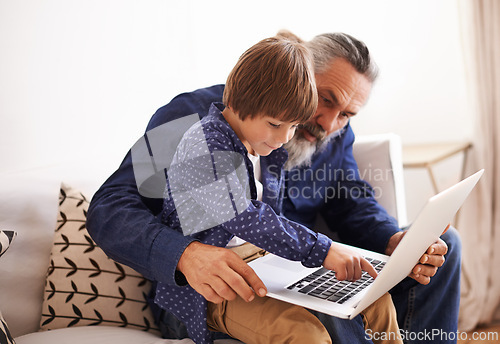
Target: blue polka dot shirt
211, 196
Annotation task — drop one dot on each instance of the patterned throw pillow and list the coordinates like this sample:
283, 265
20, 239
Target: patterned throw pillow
83, 285
6, 238
5, 337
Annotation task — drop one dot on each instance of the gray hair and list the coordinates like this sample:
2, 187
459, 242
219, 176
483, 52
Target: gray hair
329, 46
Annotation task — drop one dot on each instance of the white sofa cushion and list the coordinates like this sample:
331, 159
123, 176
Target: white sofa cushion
380, 163
102, 335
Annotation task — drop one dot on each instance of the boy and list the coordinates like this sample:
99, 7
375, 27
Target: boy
225, 183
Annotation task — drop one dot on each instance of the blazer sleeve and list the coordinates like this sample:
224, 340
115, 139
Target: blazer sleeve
354, 213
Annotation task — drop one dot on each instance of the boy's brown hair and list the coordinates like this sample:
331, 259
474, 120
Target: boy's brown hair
275, 77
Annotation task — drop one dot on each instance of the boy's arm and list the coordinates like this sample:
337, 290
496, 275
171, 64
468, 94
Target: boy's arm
260, 225
206, 192
210, 189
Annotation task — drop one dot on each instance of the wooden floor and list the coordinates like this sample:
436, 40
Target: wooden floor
485, 335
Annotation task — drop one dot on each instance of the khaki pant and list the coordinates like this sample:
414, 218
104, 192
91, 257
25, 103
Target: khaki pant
267, 320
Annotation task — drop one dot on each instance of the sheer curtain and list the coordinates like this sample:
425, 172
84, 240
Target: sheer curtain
479, 224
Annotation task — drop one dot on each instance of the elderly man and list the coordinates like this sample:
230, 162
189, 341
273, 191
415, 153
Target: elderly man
124, 222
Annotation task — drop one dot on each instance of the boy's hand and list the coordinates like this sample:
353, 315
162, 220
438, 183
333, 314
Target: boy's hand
347, 264
219, 274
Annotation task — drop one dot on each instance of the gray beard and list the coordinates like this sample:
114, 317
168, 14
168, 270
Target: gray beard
300, 150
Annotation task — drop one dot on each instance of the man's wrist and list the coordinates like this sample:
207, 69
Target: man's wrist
167, 248
183, 260
394, 242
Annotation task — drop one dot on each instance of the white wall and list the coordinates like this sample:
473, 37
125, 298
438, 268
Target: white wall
79, 79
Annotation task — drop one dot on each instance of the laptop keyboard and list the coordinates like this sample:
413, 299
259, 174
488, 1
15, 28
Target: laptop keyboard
323, 284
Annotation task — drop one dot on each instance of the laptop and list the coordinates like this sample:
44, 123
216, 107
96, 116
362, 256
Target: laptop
318, 289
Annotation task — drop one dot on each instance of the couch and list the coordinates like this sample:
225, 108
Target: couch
57, 286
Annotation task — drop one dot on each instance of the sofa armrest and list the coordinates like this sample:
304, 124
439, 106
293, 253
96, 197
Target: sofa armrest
380, 163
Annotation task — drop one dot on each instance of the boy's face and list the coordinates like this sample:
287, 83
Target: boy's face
263, 134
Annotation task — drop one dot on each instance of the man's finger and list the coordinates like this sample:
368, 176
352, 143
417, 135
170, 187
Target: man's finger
438, 248
216, 273
424, 270
247, 278
234, 277
223, 289
208, 293
420, 278
433, 260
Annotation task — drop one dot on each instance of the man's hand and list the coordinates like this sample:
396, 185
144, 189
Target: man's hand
219, 274
347, 264
430, 261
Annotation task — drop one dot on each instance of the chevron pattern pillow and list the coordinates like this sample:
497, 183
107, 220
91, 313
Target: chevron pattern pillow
6, 237
5, 337
83, 285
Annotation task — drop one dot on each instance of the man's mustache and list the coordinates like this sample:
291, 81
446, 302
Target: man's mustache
315, 130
